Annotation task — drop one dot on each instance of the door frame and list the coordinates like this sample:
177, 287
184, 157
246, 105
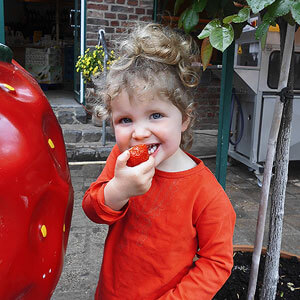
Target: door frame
2, 29
79, 38
82, 46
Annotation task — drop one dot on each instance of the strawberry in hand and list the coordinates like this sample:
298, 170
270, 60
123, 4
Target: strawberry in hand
138, 154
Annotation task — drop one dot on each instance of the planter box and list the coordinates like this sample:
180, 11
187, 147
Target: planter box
250, 248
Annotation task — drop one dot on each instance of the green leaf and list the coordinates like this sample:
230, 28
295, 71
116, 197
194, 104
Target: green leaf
268, 18
262, 30
191, 20
208, 28
206, 53
178, 3
228, 19
199, 5
221, 37
242, 16
263, 40
181, 19
258, 5
296, 12
280, 8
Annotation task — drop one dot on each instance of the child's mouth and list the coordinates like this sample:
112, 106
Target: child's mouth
152, 148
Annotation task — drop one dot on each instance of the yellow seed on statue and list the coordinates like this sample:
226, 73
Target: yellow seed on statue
7, 86
44, 231
51, 144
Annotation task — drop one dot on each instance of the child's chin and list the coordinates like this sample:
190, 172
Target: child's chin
158, 163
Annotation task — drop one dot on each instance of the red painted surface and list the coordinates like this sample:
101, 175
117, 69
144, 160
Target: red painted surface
36, 194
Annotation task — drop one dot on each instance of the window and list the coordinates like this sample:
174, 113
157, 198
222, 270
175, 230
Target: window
248, 54
274, 70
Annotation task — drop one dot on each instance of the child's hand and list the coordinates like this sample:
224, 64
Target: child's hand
134, 180
128, 181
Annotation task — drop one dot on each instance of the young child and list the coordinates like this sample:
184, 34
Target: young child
167, 210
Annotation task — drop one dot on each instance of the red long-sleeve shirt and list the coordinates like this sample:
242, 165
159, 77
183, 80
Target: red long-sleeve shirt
152, 242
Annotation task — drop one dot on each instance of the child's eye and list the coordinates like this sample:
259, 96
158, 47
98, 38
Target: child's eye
125, 121
156, 116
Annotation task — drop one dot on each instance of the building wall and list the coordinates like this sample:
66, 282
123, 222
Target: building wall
116, 17
207, 97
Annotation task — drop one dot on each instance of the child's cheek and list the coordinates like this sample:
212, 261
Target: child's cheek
122, 138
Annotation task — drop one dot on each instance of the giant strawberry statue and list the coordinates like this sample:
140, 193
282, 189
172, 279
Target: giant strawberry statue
36, 195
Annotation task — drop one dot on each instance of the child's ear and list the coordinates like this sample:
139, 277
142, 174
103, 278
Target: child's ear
185, 123
188, 116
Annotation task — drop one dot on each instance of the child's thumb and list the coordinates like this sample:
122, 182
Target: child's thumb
122, 159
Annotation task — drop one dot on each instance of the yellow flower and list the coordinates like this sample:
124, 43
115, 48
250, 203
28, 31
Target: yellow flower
92, 62
95, 70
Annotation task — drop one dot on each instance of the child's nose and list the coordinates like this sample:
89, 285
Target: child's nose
140, 132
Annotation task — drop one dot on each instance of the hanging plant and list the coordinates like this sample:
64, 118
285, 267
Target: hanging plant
91, 63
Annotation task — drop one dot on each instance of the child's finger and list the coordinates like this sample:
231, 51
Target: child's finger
122, 159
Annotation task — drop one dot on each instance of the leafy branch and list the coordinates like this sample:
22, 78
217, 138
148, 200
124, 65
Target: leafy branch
229, 17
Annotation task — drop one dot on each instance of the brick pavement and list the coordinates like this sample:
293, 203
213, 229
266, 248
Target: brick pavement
86, 241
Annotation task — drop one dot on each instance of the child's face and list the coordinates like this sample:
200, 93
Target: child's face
154, 122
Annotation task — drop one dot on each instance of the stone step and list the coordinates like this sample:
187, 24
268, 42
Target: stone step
85, 133
66, 108
93, 151
84, 142
70, 115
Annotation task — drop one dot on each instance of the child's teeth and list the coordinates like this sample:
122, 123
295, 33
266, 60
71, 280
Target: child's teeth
152, 149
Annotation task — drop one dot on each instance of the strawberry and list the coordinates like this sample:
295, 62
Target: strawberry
138, 154
31, 157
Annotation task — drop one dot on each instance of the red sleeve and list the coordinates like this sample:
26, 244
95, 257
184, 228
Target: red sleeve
93, 200
215, 227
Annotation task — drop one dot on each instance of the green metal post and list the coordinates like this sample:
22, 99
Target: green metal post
2, 31
154, 11
83, 36
224, 115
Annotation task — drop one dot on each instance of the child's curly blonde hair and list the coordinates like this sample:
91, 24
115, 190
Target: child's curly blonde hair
159, 58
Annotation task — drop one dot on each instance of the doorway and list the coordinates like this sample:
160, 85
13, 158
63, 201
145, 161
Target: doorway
45, 36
